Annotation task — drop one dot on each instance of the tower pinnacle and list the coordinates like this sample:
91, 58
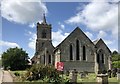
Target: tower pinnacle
44, 19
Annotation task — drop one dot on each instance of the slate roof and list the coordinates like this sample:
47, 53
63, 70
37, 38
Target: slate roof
76, 29
97, 41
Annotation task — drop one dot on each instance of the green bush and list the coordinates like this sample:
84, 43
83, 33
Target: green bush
116, 57
46, 73
116, 64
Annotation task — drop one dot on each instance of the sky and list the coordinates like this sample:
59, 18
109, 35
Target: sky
19, 18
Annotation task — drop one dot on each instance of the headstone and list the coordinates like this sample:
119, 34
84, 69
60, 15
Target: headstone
102, 79
109, 73
67, 73
82, 75
99, 72
118, 74
86, 72
73, 76
104, 72
114, 71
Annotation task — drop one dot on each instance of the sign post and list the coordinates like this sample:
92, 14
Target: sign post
60, 66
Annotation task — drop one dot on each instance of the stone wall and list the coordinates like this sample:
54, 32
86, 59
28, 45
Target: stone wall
81, 64
107, 53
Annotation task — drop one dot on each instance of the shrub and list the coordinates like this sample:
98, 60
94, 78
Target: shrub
46, 73
116, 64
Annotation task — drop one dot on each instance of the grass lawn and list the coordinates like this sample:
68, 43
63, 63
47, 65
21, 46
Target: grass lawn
91, 77
113, 79
19, 72
18, 77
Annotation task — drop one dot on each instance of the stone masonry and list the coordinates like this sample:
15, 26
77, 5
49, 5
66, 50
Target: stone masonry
76, 51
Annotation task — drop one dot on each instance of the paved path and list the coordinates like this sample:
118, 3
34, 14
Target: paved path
1, 75
7, 77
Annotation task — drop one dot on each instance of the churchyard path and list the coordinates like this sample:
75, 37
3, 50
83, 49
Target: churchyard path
1, 75
7, 77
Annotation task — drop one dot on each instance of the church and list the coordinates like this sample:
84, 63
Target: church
76, 51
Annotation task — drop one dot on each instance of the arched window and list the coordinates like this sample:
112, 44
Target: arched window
98, 58
44, 34
102, 58
44, 58
49, 59
71, 52
77, 50
84, 53
43, 44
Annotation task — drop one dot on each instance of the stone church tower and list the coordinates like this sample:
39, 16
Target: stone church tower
44, 47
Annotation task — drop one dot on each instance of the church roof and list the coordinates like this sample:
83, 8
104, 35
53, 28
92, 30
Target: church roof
100, 40
33, 58
96, 41
76, 29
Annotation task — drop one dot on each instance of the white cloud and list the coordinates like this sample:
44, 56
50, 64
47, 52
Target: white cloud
32, 40
75, 19
109, 42
21, 11
112, 44
102, 34
62, 26
90, 35
8, 44
32, 25
98, 16
113, 49
58, 37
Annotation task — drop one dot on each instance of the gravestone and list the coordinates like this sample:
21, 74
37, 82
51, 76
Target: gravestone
82, 75
104, 72
67, 73
114, 71
118, 74
102, 79
73, 76
86, 72
109, 73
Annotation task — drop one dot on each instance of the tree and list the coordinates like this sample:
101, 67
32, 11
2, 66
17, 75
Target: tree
115, 56
114, 52
15, 59
115, 59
